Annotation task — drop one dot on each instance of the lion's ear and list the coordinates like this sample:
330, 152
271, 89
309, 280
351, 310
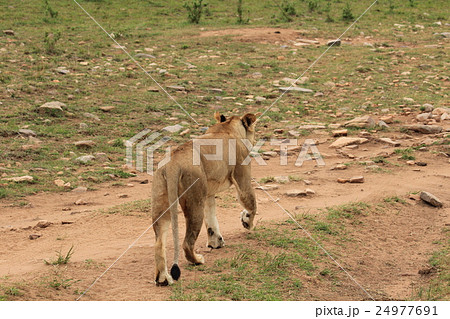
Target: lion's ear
219, 117
248, 120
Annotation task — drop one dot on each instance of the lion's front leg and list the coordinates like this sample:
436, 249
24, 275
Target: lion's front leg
215, 239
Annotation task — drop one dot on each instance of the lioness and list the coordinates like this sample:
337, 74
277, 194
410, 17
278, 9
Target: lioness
193, 186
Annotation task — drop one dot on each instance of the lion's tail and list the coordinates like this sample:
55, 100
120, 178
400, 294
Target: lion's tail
172, 194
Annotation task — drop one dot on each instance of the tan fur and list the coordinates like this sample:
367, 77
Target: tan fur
196, 185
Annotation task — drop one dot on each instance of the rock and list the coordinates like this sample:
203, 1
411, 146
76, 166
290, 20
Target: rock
281, 179
259, 99
382, 124
91, 116
257, 75
357, 179
20, 179
389, 141
312, 127
42, 224
428, 107
186, 131
53, 108
34, 236
122, 196
389, 119
84, 144
153, 89
108, 108
8, 32
278, 131
215, 90
101, 157
85, 159
445, 34
309, 191
173, 129
296, 193
423, 117
361, 122
27, 132
343, 180
408, 99
344, 141
268, 187
80, 202
176, 87
270, 153
445, 116
80, 189
339, 167
83, 126
334, 126
336, 42
425, 129
440, 110
144, 55
59, 182
295, 89
62, 70
293, 133
338, 133
430, 199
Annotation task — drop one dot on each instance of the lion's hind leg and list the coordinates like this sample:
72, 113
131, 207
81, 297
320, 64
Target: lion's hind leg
193, 211
161, 227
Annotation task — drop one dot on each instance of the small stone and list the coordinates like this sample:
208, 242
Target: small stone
408, 99
268, 187
335, 43
27, 132
91, 116
42, 224
108, 108
80, 189
338, 133
281, 179
153, 89
84, 144
430, 199
293, 133
425, 129
34, 236
54, 107
59, 182
296, 193
428, 107
101, 157
85, 159
278, 131
389, 119
20, 179
173, 128
80, 202
309, 191
176, 87
307, 182
344, 141
122, 196
295, 89
423, 117
186, 131
343, 180
357, 179
9, 32
389, 141
270, 153
361, 122
339, 167
62, 70
382, 124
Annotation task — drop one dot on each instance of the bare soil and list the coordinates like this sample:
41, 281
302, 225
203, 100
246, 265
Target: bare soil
388, 251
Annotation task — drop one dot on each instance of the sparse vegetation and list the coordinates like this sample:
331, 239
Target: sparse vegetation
61, 258
195, 9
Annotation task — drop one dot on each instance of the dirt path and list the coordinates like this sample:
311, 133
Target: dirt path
391, 247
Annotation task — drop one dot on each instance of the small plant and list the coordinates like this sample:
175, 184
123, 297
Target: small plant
267, 179
287, 11
313, 5
240, 18
347, 14
412, 3
195, 10
49, 12
61, 260
50, 40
